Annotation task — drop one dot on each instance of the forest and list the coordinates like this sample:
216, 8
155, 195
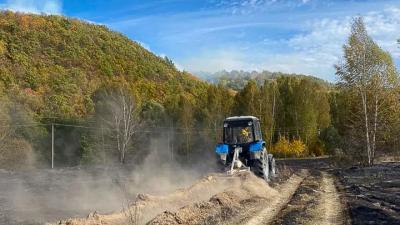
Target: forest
108, 100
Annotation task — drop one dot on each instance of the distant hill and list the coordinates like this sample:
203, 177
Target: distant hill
236, 80
54, 64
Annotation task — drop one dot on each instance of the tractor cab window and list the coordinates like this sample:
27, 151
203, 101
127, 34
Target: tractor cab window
258, 131
238, 133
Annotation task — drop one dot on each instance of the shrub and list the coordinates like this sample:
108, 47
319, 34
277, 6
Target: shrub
16, 154
281, 148
297, 148
317, 149
286, 148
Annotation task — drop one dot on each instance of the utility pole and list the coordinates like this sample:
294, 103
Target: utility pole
102, 144
52, 145
171, 140
169, 143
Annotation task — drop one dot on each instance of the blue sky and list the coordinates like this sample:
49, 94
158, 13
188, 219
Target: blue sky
296, 36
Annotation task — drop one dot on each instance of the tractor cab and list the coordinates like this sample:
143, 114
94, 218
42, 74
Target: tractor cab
243, 147
242, 130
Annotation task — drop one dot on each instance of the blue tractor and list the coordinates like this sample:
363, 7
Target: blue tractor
243, 147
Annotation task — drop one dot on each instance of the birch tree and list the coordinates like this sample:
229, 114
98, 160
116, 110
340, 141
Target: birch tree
369, 72
120, 114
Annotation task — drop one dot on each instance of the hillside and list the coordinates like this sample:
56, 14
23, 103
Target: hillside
54, 64
56, 69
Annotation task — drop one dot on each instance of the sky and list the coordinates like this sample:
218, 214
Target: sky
292, 36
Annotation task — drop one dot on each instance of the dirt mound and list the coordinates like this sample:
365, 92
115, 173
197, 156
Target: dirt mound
223, 190
221, 206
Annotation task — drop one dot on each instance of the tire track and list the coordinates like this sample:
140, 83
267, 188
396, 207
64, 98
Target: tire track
316, 201
274, 207
330, 210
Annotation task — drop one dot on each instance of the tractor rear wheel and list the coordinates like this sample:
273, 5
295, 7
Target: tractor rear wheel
272, 166
220, 164
260, 166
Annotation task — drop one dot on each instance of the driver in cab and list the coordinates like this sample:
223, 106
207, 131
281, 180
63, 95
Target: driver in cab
245, 135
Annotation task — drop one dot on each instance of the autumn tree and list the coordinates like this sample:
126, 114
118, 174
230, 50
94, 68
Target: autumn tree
211, 109
367, 73
186, 122
118, 111
247, 100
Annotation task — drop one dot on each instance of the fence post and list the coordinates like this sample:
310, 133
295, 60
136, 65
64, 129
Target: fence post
102, 144
169, 144
171, 139
52, 145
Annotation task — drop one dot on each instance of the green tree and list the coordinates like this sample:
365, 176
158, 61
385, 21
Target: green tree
247, 101
369, 73
186, 121
269, 95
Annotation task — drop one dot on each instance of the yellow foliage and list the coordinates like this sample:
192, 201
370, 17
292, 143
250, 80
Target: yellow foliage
297, 147
3, 48
285, 148
282, 146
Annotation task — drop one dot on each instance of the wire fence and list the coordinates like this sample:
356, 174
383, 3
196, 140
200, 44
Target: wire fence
64, 144
68, 142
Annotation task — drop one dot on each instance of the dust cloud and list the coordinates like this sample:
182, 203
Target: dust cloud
44, 195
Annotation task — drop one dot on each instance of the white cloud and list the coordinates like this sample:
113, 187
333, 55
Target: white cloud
328, 35
321, 47
384, 27
314, 51
250, 6
34, 6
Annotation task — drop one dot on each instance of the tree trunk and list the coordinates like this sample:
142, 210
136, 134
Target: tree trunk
364, 102
375, 128
122, 156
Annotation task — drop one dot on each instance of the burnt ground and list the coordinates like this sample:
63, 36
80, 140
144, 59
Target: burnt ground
372, 194
369, 195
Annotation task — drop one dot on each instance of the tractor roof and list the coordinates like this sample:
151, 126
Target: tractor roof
240, 118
